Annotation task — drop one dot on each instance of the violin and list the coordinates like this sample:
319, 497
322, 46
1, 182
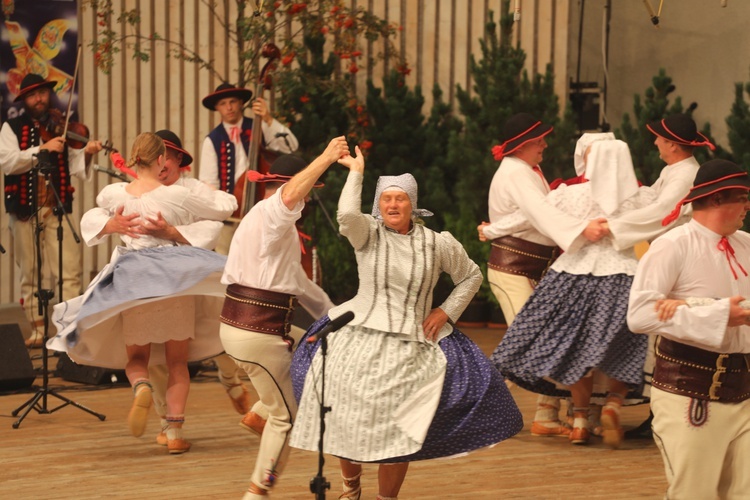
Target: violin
76, 136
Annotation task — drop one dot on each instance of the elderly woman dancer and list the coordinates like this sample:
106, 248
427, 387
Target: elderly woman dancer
575, 321
402, 383
154, 301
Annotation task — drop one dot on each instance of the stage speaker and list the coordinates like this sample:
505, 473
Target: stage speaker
16, 370
13, 313
71, 371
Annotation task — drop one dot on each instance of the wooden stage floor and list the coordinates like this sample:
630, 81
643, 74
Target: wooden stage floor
71, 454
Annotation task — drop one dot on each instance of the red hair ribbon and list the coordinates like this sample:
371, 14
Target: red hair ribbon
726, 247
119, 162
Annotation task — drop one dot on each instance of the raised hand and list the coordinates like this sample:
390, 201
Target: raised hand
336, 149
357, 164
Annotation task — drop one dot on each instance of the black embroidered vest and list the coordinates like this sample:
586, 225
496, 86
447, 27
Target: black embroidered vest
22, 190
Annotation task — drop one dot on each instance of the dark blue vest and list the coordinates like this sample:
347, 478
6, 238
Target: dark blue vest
225, 152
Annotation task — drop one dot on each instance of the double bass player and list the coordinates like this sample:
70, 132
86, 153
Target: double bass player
225, 151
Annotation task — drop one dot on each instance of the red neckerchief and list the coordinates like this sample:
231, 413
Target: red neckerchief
726, 247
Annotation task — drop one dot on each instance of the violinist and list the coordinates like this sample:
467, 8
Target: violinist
224, 154
21, 140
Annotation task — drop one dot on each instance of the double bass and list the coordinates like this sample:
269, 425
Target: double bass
258, 157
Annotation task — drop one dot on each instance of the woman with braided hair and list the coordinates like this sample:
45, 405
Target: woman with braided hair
155, 302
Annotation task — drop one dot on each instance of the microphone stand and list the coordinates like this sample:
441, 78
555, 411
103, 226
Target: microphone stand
318, 484
44, 167
316, 201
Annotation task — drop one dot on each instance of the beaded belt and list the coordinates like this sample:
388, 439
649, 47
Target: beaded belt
516, 256
701, 374
259, 311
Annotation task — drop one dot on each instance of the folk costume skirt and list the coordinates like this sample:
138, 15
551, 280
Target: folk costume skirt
570, 325
145, 296
382, 390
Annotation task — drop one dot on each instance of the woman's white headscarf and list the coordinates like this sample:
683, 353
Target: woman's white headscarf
404, 182
582, 145
609, 169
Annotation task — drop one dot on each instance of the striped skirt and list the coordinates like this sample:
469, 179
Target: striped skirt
399, 401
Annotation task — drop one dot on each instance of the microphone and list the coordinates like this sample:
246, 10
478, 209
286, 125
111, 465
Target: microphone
284, 136
332, 326
111, 172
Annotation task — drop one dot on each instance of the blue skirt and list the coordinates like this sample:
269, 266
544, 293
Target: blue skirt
475, 410
571, 324
178, 286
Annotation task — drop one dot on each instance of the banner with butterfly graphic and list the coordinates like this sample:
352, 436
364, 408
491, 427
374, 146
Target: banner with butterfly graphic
39, 36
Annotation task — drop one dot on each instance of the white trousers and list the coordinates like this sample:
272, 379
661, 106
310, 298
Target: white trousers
511, 291
266, 359
24, 251
705, 446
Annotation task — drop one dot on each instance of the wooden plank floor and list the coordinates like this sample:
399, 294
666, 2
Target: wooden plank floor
71, 454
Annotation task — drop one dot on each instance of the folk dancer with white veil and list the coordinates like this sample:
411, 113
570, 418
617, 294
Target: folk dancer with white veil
575, 321
526, 232
155, 302
402, 382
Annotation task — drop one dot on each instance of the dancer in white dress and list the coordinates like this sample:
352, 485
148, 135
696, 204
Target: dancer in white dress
161, 296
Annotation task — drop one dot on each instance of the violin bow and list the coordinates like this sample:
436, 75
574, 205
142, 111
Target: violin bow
72, 89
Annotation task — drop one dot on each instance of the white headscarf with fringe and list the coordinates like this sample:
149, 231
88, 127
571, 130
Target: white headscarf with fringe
404, 182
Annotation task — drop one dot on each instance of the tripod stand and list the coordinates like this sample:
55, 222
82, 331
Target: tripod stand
44, 167
318, 484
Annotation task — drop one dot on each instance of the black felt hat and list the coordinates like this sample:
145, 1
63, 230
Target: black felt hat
518, 130
282, 169
32, 82
717, 175
712, 177
223, 91
681, 129
173, 142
